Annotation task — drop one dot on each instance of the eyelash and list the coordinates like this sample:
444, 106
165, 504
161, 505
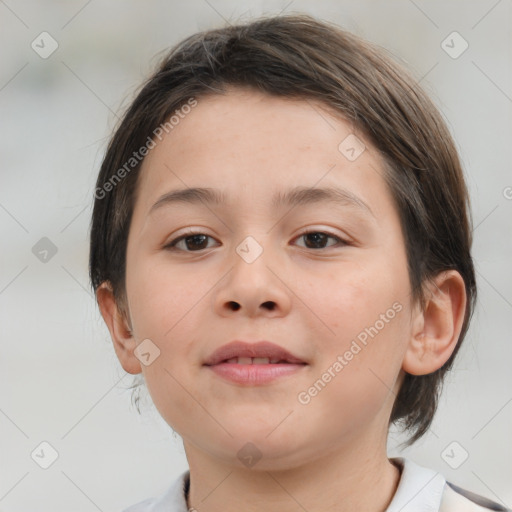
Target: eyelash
171, 246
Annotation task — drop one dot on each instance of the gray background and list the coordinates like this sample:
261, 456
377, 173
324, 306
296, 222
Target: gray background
61, 382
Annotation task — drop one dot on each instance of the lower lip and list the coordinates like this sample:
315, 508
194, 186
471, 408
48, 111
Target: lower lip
254, 374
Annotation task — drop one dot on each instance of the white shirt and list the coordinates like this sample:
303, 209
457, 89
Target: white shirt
419, 490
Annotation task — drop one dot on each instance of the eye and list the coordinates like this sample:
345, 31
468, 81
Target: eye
318, 240
196, 241
190, 242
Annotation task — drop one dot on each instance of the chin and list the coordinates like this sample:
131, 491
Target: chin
257, 450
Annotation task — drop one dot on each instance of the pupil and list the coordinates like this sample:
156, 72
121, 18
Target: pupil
196, 238
317, 238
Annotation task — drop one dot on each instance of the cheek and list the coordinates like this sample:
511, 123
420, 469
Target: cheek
164, 307
352, 297
161, 298
365, 308
356, 374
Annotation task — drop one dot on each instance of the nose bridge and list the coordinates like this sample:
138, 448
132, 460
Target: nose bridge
251, 286
250, 273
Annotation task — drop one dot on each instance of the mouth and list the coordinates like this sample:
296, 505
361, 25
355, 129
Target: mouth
253, 364
255, 360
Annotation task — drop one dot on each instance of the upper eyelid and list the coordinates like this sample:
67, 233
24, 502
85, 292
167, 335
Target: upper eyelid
178, 238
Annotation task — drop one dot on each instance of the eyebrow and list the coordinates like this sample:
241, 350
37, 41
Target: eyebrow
297, 196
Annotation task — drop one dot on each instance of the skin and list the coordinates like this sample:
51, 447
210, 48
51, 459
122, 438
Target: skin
329, 454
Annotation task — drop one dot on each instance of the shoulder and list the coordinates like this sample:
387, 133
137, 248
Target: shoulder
173, 499
456, 499
427, 490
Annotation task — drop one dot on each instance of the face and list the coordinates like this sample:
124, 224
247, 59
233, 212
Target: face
322, 276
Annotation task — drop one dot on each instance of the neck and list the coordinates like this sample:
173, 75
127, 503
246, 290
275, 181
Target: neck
341, 481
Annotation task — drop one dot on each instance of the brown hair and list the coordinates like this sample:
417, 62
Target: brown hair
300, 57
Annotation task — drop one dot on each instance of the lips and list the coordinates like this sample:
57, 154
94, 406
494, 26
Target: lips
243, 353
254, 364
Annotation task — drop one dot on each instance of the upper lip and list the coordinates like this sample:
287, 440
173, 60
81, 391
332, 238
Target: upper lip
245, 349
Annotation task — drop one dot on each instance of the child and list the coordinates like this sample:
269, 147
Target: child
280, 244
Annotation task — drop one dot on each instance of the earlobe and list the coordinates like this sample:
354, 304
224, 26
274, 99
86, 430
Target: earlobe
435, 331
120, 332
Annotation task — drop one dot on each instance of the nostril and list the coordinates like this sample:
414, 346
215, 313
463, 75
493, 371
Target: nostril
270, 305
234, 305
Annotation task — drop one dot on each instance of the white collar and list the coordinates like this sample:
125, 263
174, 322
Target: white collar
419, 490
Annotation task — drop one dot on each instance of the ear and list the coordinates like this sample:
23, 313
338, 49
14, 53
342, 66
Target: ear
120, 330
436, 330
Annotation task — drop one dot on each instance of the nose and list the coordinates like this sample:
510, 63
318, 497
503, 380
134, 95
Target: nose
253, 288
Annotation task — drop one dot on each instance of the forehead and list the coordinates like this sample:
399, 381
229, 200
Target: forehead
246, 143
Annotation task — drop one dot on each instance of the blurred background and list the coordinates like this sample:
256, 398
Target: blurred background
67, 69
